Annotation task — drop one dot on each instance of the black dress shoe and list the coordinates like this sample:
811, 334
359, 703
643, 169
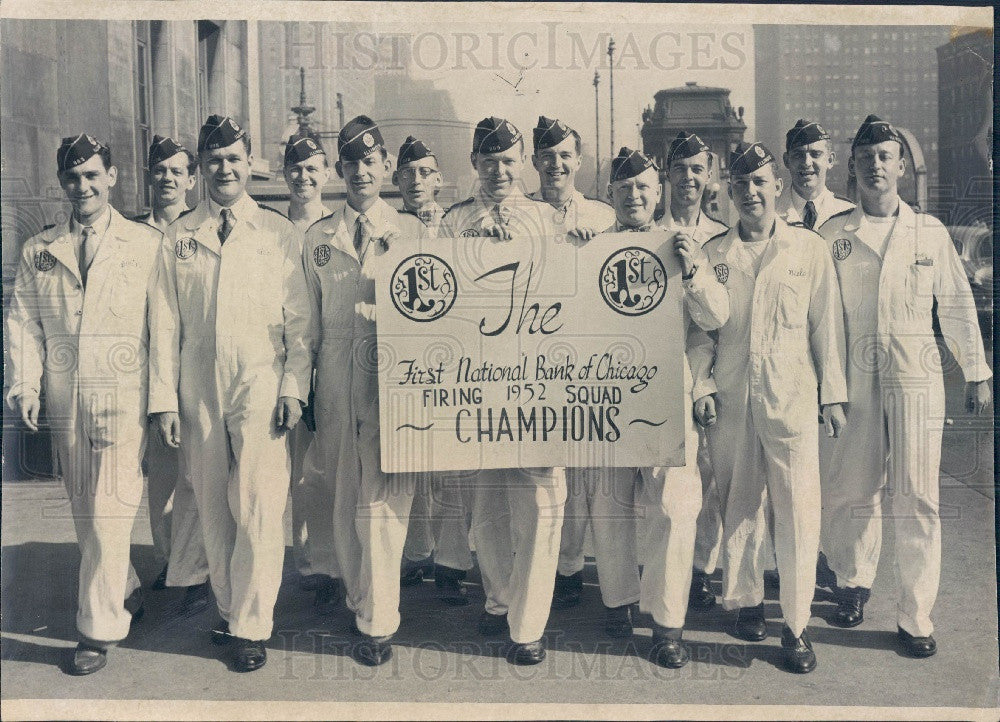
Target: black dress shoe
161, 581
527, 653
413, 573
916, 646
825, 577
567, 591
492, 625
668, 650
329, 595
134, 605
618, 621
373, 651
798, 652
248, 654
449, 585
850, 606
701, 596
772, 580
750, 623
309, 582
87, 659
195, 599
221, 633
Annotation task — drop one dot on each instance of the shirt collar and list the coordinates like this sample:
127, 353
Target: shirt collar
100, 226
376, 214
516, 196
243, 209
799, 203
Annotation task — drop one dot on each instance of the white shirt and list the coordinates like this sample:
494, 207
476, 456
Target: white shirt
876, 231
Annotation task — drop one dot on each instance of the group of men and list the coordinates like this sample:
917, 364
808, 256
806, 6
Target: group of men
235, 349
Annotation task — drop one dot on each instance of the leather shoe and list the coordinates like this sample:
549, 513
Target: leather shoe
309, 582
373, 651
134, 605
221, 633
87, 659
567, 590
750, 623
248, 654
413, 573
329, 595
195, 599
668, 650
798, 652
527, 653
618, 621
850, 607
492, 625
449, 584
701, 596
161, 581
916, 646
825, 577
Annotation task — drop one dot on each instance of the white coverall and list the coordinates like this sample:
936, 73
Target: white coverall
230, 335
784, 338
90, 349
371, 508
517, 513
888, 459
173, 512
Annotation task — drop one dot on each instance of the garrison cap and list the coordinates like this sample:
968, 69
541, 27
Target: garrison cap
549, 132
412, 150
302, 146
219, 132
628, 164
77, 149
164, 147
875, 130
494, 135
359, 139
804, 132
685, 145
749, 157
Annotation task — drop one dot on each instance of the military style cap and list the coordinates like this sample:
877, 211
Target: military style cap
628, 164
749, 157
77, 149
219, 132
359, 139
494, 135
301, 146
804, 132
412, 150
685, 145
549, 132
163, 147
875, 130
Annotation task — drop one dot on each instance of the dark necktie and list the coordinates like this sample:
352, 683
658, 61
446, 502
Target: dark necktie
88, 250
361, 236
809, 215
227, 225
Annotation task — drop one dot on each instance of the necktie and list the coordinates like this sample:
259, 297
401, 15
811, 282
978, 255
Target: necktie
227, 225
361, 236
89, 249
809, 215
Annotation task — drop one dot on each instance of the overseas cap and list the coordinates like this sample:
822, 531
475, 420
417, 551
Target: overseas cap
804, 132
359, 139
549, 132
749, 157
685, 145
77, 149
494, 135
412, 150
629, 163
163, 147
219, 132
875, 130
302, 146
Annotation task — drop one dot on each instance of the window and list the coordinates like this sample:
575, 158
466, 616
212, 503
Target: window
143, 105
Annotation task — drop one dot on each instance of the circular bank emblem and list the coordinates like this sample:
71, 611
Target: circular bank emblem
633, 281
321, 254
841, 248
722, 272
185, 248
45, 261
470, 233
423, 287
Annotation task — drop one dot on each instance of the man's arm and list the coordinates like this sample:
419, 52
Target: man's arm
25, 340
826, 328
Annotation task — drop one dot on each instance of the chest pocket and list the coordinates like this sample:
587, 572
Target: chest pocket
264, 287
793, 300
920, 288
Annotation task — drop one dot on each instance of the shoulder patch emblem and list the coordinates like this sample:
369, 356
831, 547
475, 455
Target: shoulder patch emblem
45, 261
841, 248
469, 233
722, 272
184, 248
321, 254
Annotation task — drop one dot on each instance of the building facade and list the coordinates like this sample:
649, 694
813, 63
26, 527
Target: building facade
837, 75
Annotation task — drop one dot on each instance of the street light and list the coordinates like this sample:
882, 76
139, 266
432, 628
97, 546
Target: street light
611, 56
597, 135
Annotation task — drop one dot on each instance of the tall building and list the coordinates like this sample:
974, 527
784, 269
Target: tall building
965, 111
120, 81
838, 74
